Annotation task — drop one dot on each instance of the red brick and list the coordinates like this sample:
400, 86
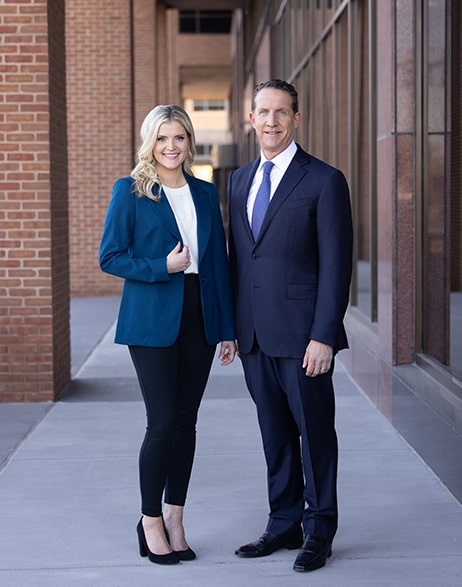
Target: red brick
33, 110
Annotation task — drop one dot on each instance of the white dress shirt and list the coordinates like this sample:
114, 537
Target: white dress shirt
281, 163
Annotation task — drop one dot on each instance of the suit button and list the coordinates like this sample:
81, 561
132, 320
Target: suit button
255, 257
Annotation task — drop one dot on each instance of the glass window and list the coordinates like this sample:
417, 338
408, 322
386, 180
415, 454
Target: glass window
455, 196
203, 149
441, 192
205, 105
205, 21
364, 165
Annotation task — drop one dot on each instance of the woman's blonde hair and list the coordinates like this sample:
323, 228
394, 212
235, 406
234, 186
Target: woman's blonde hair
145, 171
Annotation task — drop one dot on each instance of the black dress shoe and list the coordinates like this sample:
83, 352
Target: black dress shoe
269, 543
313, 554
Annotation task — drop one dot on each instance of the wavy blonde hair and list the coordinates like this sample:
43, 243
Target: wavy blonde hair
145, 171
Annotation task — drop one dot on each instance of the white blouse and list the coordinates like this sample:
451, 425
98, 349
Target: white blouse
181, 202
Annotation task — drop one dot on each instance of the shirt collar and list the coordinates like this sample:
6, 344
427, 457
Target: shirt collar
282, 160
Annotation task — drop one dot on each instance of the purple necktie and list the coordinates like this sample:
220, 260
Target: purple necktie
262, 199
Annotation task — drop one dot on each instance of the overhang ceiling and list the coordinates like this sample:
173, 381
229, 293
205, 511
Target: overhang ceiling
199, 73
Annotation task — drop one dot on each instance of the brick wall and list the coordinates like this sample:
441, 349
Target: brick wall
34, 329
100, 136
195, 50
113, 79
145, 56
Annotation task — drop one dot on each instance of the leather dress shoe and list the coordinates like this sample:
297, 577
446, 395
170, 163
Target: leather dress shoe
269, 543
313, 554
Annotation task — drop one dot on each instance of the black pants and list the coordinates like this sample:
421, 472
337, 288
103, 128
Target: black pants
172, 381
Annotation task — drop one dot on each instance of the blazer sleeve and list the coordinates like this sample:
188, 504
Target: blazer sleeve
223, 281
116, 249
335, 244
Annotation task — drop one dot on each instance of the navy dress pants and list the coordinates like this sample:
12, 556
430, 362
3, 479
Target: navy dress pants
296, 415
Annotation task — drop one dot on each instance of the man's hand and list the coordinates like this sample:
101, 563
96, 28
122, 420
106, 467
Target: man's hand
317, 359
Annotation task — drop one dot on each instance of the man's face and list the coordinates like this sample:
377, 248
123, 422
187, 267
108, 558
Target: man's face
274, 121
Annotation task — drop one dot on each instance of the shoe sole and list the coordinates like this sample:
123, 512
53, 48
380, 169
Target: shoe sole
315, 565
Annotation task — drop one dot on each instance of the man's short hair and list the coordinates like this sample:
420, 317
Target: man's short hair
277, 84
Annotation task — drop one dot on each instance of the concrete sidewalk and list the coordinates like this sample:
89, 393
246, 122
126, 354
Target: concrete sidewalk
69, 499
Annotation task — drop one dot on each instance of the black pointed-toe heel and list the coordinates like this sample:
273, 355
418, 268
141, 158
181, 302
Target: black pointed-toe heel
183, 555
170, 558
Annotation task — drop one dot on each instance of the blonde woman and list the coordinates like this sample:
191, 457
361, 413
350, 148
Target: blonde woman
164, 236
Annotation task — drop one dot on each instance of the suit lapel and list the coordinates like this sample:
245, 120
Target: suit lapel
203, 215
165, 213
241, 193
204, 221
297, 169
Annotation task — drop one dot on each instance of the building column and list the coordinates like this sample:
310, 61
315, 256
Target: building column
34, 252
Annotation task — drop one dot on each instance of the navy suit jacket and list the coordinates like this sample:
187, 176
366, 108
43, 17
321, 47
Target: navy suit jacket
292, 284
138, 234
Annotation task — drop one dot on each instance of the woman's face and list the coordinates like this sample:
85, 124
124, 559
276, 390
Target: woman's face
171, 147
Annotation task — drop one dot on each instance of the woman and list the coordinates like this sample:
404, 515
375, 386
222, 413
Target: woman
164, 236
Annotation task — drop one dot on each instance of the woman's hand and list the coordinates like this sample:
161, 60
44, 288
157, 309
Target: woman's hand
227, 352
178, 260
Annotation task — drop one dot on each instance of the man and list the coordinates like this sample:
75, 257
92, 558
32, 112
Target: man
291, 279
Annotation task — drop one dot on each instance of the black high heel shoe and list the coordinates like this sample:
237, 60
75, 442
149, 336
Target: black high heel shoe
183, 555
170, 558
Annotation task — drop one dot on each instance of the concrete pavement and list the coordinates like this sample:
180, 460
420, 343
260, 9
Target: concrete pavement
69, 500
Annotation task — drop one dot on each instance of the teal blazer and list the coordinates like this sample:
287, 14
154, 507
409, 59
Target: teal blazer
138, 234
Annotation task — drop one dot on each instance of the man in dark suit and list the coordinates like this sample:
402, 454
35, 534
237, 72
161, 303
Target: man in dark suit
290, 232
